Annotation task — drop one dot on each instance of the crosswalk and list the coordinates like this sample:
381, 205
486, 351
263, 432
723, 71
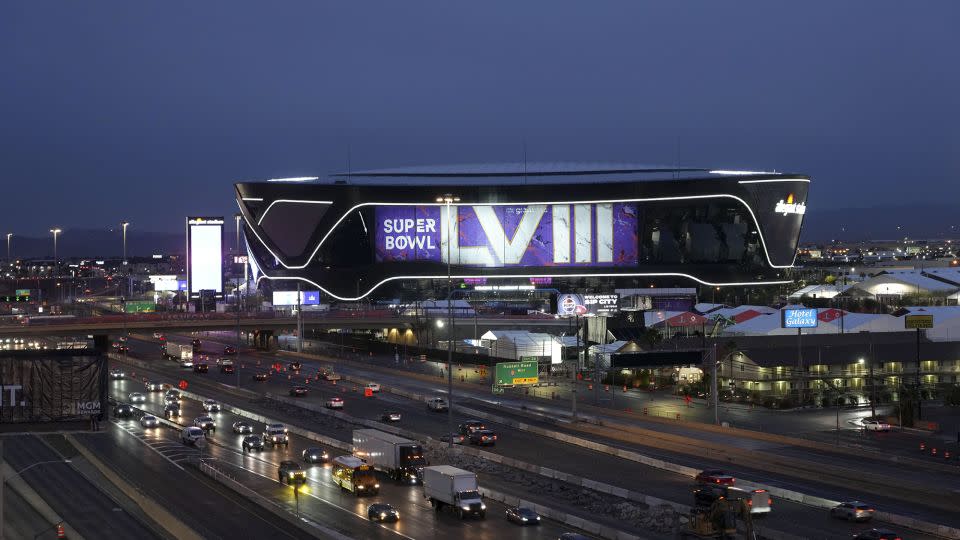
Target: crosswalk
170, 449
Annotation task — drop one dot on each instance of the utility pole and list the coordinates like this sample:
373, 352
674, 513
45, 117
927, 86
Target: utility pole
576, 369
56, 266
799, 378
299, 321
236, 367
919, 397
9, 236
873, 386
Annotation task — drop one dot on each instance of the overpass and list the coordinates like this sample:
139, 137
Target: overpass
188, 322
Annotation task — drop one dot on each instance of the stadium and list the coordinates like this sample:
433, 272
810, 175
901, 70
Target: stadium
394, 232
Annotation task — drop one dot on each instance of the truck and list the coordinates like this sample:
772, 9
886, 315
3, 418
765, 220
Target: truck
445, 485
180, 353
399, 458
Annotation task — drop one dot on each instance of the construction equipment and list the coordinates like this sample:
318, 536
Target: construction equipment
720, 521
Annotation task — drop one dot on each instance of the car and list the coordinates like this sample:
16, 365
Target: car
123, 410
170, 400
115, 345
117, 373
211, 405
149, 421
715, 476
205, 423
876, 534
437, 404
334, 403
758, 500
136, 397
242, 427
190, 435
331, 376
172, 410
252, 442
852, 511
201, 367
260, 377
315, 455
468, 427
173, 393
197, 344
227, 368
122, 339
298, 391
229, 350
123, 349
522, 515
153, 386
294, 366
457, 438
483, 437
875, 425
157, 335
373, 387
390, 416
291, 473
382, 512
276, 434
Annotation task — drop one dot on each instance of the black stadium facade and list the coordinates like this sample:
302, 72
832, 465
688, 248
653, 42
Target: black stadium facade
384, 232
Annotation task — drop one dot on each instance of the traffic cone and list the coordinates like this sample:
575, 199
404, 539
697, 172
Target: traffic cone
61, 532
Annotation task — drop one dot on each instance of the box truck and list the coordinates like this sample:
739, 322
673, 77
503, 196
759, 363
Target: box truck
444, 485
401, 459
180, 353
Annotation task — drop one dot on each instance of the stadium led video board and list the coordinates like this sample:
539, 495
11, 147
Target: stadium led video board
205, 255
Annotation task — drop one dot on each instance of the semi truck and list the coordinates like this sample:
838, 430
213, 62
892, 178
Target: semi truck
180, 353
399, 458
444, 485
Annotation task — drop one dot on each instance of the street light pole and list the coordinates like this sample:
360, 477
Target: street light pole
9, 236
447, 200
56, 267
4, 478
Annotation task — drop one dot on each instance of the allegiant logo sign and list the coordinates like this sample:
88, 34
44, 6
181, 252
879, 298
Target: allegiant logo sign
790, 207
598, 234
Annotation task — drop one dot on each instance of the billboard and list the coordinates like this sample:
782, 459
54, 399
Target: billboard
52, 386
289, 298
164, 283
799, 318
911, 322
205, 255
515, 373
509, 235
603, 305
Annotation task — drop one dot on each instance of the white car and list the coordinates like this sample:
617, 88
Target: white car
374, 387
334, 403
117, 373
205, 423
211, 405
331, 376
875, 425
136, 397
437, 404
149, 420
191, 435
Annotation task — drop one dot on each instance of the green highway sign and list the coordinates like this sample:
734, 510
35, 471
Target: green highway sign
516, 373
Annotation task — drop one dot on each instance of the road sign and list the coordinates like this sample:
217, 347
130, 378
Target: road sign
516, 373
911, 322
498, 390
183, 384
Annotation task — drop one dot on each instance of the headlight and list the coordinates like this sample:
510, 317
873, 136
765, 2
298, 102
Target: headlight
467, 508
483, 506
538, 518
523, 519
382, 515
359, 487
376, 485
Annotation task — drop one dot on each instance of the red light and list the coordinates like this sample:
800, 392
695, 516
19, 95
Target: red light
769, 502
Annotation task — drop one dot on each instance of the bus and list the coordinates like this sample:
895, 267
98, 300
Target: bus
352, 474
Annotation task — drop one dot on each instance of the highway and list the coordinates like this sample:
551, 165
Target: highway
517, 444
322, 501
88, 509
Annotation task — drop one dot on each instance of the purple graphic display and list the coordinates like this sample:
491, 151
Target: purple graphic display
518, 235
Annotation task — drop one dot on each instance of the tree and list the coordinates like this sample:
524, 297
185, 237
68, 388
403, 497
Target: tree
951, 396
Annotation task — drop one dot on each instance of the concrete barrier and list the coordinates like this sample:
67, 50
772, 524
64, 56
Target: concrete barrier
171, 523
27, 493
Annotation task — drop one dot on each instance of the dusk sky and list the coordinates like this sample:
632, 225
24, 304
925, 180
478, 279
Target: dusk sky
115, 110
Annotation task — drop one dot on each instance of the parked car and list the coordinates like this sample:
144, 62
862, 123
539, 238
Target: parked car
315, 455
252, 442
876, 534
852, 511
390, 416
715, 476
190, 435
875, 425
382, 512
334, 403
298, 391
522, 515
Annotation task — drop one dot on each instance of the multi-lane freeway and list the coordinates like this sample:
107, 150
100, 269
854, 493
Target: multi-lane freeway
518, 444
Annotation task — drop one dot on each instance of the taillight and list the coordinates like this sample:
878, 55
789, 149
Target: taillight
750, 503
769, 502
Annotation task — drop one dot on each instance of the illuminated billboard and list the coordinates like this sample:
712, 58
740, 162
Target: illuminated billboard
603, 305
205, 255
509, 235
164, 283
289, 298
799, 318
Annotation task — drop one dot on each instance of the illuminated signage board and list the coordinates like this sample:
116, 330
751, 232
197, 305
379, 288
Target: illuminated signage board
289, 298
799, 318
205, 252
510, 235
569, 305
788, 206
164, 283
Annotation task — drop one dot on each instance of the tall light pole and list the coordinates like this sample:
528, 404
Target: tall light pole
9, 236
56, 266
448, 199
124, 224
236, 218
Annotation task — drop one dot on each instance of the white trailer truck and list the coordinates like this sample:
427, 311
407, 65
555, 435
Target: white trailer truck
444, 485
401, 459
183, 354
